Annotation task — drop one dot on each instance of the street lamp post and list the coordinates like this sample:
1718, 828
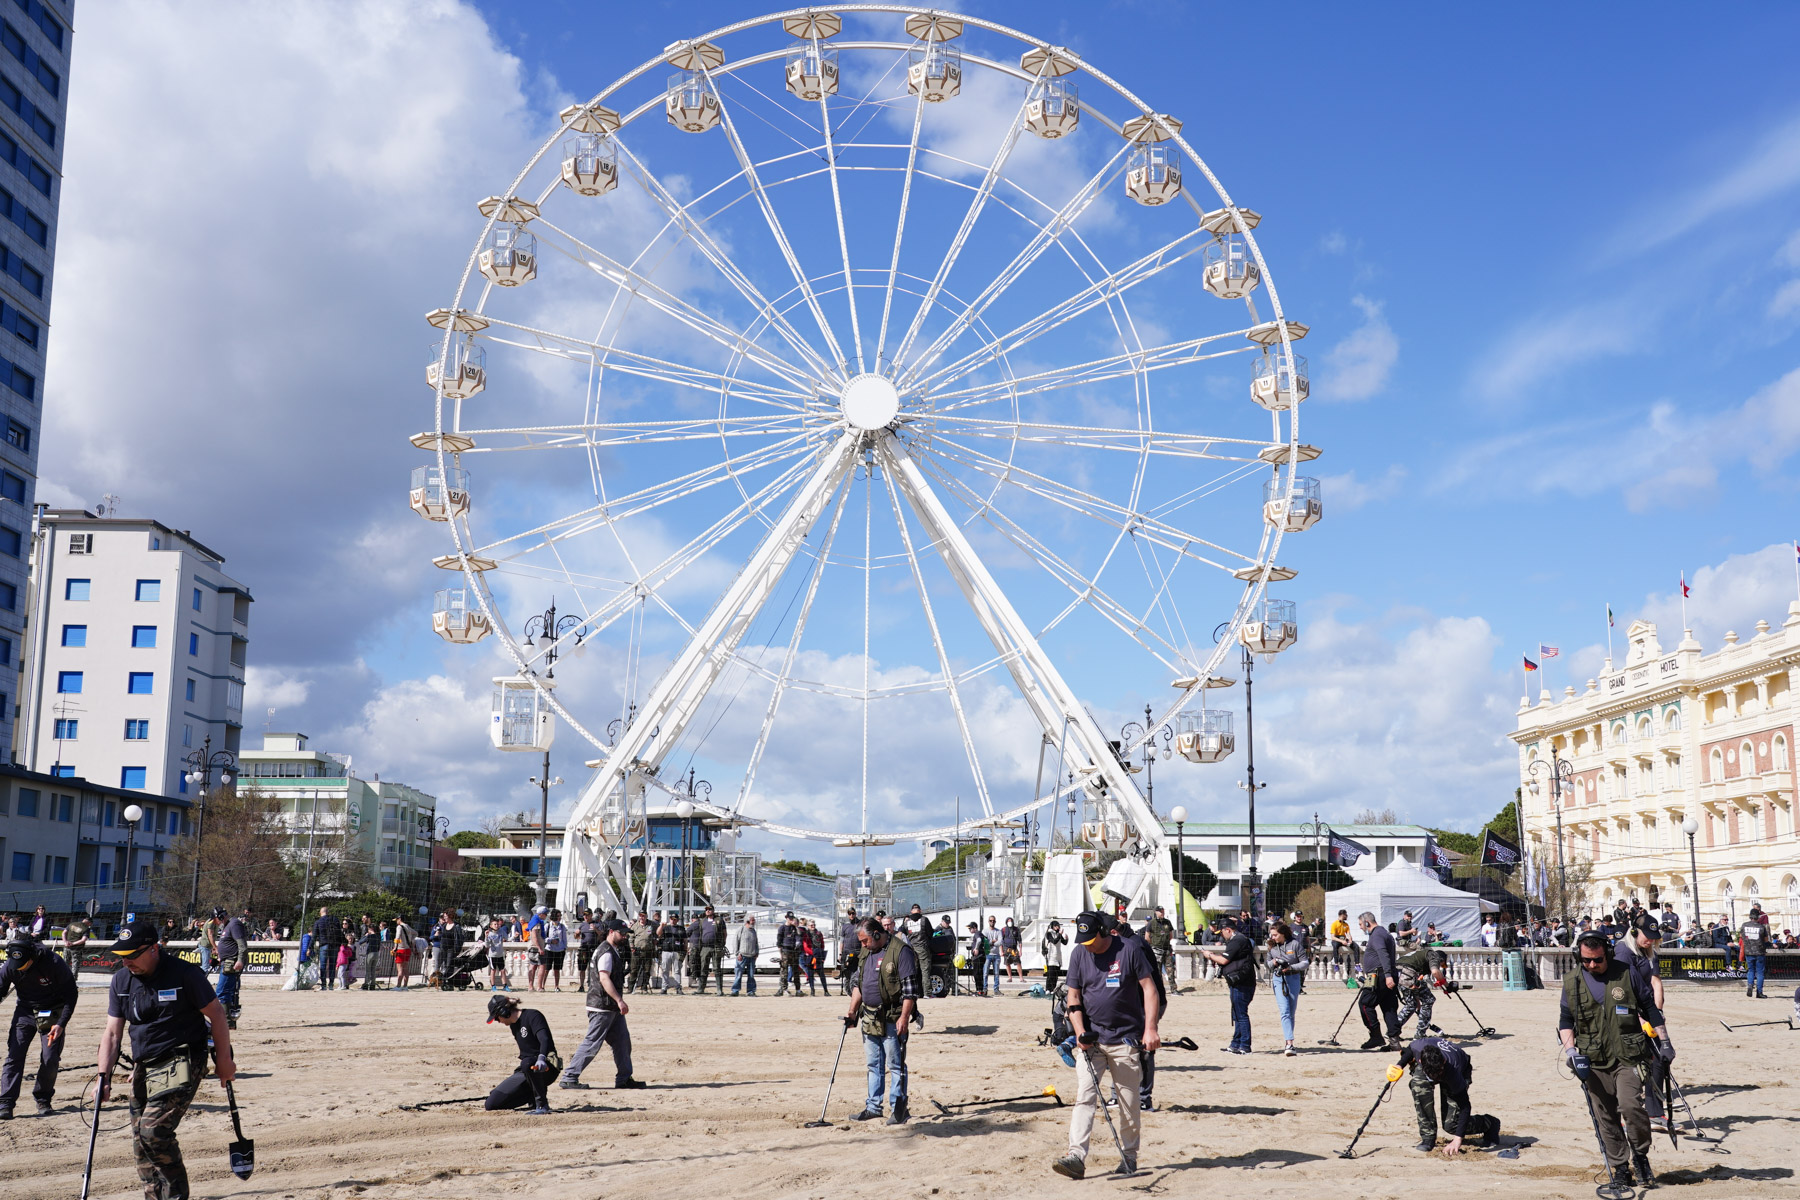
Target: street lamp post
685, 810
133, 814
201, 764
1251, 880
432, 829
544, 783
1178, 814
1690, 826
552, 629
1562, 775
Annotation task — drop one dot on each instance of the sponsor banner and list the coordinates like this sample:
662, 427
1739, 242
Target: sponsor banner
259, 961
1718, 966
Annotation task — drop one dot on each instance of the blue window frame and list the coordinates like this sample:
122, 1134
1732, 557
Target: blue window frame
143, 637
174, 822
20, 325
58, 870
18, 435
40, 15
110, 812
133, 777
9, 597
137, 731
68, 729
28, 802
19, 48
190, 689
21, 867
149, 591
194, 645
11, 96
12, 487
140, 683
62, 771
196, 599
29, 277
181, 783
77, 589
15, 211
18, 379
35, 172
6, 658
11, 541
65, 808
68, 683
74, 635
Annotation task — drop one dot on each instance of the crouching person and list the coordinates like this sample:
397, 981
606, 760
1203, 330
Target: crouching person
538, 1059
1440, 1065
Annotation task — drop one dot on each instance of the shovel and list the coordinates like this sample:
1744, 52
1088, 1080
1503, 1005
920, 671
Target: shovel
242, 1151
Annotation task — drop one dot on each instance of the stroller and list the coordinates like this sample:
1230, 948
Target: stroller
461, 975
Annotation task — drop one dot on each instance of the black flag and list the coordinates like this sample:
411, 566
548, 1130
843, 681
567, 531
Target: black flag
1496, 851
1437, 860
1344, 852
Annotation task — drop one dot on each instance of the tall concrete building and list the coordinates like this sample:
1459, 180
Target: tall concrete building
34, 87
134, 652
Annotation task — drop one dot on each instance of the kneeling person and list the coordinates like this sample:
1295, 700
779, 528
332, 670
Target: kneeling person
1440, 1064
1113, 1008
538, 1059
607, 1009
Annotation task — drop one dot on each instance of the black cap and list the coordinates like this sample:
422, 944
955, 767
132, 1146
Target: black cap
1088, 926
135, 936
21, 947
1648, 926
500, 1006
221, 914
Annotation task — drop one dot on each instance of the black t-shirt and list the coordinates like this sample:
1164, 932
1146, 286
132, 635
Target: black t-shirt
1459, 1072
1240, 962
232, 939
532, 1034
1109, 988
163, 1007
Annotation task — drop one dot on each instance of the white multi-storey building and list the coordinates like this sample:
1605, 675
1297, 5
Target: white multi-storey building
1668, 736
384, 826
135, 649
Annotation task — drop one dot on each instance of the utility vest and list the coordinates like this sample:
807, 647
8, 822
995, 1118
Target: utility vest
597, 995
876, 1018
1609, 1033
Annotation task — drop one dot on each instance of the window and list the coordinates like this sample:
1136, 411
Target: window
35, 172
9, 597
193, 645
18, 436
155, 543
67, 729
112, 809
68, 683
12, 487
19, 48
181, 783
18, 379
81, 543
11, 97
1781, 755
28, 802
12, 543
25, 219
38, 13
196, 599
6, 658
20, 325
74, 635
21, 867
190, 693
137, 731
187, 735
140, 683
143, 637
28, 276
76, 589
57, 870
64, 807
149, 591
63, 771
133, 777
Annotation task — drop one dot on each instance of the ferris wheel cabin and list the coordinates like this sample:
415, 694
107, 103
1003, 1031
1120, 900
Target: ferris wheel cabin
1272, 628
1206, 736
457, 617
812, 71
522, 717
508, 256
1154, 175
691, 102
1279, 382
934, 73
1231, 274
1295, 507
1055, 110
440, 495
464, 368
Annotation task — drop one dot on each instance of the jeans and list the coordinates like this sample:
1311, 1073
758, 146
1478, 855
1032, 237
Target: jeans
1756, 969
744, 975
991, 969
229, 984
328, 965
1240, 1016
886, 1058
604, 1028
1287, 1001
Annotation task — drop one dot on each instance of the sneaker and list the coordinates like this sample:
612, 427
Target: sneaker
46, 1109
1659, 1125
630, 1084
1070, 1166
1146, 1105
1290, 1052
573, 1085
866, 1115
1427, 1145
542, 1110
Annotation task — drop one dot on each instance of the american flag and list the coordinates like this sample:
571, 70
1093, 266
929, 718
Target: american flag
1547, 651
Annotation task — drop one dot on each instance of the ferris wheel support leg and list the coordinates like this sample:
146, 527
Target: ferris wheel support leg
1050, 698
678, 694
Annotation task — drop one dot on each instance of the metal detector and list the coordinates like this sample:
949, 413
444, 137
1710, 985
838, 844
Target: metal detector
1787, 1021
87, 1174
1049, 1091
1484, 1031
1332, 1040
1350, 1150
1100, 1102
822, 1123
1612, 1189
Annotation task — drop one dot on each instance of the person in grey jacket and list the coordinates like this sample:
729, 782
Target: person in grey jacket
1287, 961
744, 946
1380, 985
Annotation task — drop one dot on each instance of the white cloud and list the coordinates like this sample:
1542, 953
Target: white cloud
1334, 242
1731, 595
1358, 366
1769, 169
1786, 301
1346, 493
1546, 345
268, 688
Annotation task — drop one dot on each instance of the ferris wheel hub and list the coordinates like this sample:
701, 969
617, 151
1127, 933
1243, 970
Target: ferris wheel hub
869, 401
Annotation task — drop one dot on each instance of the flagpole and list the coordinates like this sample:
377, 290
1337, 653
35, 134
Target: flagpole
1797, 570
1684, 621
1609, 620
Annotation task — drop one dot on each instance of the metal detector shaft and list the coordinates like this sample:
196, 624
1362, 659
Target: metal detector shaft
1480, 1029
1332, 1040
1349, 1150
1753, 1024
1100, 1102
1612, 1189
87, 1174
822, 1122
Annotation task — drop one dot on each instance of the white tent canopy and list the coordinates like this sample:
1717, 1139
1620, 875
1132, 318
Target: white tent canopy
1400, 888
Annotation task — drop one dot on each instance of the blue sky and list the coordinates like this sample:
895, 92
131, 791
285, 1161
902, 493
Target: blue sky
1552, 269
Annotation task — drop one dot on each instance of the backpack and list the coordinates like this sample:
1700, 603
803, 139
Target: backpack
1061, 1030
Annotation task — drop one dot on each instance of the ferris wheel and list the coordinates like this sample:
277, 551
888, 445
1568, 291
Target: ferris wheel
857, 376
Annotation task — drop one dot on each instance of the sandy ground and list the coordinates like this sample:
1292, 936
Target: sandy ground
324, 1076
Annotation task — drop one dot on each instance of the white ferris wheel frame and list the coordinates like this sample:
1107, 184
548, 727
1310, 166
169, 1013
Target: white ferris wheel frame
675, 698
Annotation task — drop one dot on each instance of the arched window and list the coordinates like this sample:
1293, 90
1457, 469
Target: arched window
1672, 722
1792, 887
1780, 754
1715, 766
1618, 733
1643, 728
1746, 759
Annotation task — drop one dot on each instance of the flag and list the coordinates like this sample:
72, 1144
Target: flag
1343, 852
1496, 851
1437, 859
1684, 585
1547, 651
1609, 617
1529, 665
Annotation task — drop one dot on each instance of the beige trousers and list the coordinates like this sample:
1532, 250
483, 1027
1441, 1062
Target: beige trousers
1122, 1064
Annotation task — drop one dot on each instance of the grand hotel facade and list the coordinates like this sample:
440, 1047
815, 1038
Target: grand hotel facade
1674, 733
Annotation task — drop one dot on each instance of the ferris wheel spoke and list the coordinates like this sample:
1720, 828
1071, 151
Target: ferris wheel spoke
943, 654
632, 504
792, 652
1085, 437
1100, 370
682, 219
1118, 516
912, 160
1101, 291
632, 433
976, 204
641, 287
763, 201
1048, 235
837, 206
1084, 589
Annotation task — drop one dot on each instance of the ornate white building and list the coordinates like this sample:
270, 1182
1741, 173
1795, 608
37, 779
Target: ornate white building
1673, 734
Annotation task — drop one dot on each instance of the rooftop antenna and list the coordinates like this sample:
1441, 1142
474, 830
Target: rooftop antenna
108, 506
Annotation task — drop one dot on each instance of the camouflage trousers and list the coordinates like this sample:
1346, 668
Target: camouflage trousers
153, 1144
1420, 1001
1422, 1089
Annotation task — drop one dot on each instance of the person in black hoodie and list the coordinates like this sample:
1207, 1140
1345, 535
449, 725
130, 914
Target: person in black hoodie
328, 937
47, 998
538, 1059
1380, 985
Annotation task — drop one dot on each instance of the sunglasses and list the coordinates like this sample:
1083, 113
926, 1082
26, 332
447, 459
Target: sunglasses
1594, 961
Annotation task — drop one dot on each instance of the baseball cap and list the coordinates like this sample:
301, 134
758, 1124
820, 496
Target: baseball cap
1088, 926
500, 1006
135, 936
1648, 926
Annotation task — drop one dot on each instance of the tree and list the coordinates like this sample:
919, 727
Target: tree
796, 867
1286, 884
1386, 816
1192, 874
947, 859
1569, 891
470, 839
241, 860
484, 890
380, 904
1462, 843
